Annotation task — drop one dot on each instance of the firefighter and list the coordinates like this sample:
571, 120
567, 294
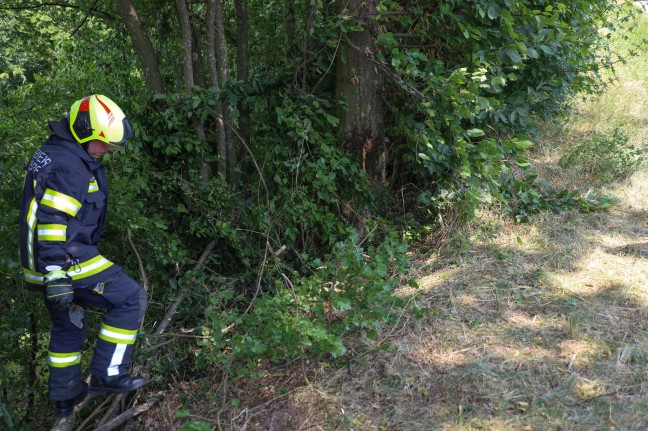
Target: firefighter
62, 215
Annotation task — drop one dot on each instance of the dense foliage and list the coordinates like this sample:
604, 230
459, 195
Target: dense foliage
310, 247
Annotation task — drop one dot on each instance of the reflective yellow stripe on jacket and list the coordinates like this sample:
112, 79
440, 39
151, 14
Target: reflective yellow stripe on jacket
52, 232
89, 267
61, 202
78, 271
31, 226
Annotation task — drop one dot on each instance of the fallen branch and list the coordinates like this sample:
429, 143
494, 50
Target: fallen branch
184, 292
124, 417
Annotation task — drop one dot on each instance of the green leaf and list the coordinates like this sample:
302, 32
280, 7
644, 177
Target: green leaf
514, 55
498, 81
546, 49
387, 39
523, 145
475, 133
196, 426
182, 413
532, 53
493, 12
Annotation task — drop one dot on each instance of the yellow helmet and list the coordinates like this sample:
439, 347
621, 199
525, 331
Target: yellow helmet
98, 117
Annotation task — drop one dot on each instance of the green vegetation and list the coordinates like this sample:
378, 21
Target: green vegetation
311, 153
514, 326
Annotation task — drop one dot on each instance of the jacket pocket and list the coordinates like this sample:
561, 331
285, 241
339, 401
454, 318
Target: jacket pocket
91, 209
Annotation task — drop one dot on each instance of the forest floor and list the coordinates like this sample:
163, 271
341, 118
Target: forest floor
534, 326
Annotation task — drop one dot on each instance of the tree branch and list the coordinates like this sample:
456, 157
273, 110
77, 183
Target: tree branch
124, 417
85, 18
184, 292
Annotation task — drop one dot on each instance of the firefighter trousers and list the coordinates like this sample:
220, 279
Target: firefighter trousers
125, 303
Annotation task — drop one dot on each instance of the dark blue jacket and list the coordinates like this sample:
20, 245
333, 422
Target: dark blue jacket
62, 212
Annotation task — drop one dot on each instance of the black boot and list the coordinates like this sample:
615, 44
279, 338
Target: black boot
116, 384
66, 408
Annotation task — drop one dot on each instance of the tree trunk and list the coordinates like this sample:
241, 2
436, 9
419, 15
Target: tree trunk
289, 30
242, 65
223, 75
360, 88
198, 60
221, 146
142, 44
185, 25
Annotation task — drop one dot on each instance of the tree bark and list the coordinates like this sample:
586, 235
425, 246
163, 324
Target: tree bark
223, 75
142, 45
185, 25
187, 45
360, 87
243, 65
289, 30
221, 145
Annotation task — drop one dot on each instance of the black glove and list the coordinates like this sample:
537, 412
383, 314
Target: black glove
58, 289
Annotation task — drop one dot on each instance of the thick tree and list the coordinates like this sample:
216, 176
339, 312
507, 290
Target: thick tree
359, 89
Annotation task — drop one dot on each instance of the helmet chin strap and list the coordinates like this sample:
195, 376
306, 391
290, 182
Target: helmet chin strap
85, 146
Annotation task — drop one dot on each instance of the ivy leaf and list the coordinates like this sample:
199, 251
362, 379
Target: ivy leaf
523, 145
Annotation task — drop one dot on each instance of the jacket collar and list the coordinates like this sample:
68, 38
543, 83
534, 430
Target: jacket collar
61, 130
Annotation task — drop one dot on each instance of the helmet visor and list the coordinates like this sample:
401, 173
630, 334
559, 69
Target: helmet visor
128, 133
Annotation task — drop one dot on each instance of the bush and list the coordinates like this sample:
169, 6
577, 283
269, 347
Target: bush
606, 156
